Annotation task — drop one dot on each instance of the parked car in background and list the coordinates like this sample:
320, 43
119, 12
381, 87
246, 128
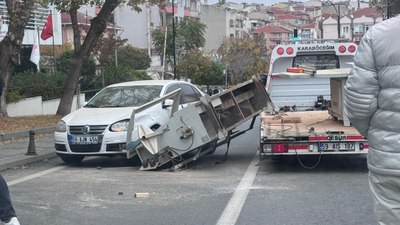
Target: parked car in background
100, 127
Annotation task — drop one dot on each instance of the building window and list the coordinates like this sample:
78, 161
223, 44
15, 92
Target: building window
231, 23
358, 28
345, 30
237, 23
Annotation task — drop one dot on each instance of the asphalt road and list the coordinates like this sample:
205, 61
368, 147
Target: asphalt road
240, 190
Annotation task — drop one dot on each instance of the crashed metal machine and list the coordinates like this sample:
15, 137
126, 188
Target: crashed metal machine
200, 128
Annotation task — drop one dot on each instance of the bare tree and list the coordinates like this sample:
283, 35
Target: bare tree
242, 58
82, 51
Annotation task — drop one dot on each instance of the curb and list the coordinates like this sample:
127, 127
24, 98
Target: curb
24, 134
29, 160
10, 137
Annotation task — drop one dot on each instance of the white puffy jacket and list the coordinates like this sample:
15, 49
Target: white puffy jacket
372, 95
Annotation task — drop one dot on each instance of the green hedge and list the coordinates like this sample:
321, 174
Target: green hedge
50, 86
30, 84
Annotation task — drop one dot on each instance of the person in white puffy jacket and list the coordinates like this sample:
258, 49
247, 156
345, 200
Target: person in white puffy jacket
372, 103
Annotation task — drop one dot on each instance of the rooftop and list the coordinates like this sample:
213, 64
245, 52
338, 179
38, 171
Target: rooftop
271, 29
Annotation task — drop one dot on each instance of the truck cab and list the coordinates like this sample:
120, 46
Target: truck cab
305, 83
316, 62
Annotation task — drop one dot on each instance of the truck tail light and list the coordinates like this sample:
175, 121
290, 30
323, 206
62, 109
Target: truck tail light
266, 148
289, 51
342, 49
279, 148
280, 51
363, 146
352, 48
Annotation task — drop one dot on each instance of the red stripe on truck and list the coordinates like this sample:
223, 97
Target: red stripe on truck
342, 138
359, 137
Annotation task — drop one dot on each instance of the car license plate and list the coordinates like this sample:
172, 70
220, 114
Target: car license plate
83, 140
345, 146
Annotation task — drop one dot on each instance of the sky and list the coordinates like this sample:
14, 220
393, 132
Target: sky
265, 2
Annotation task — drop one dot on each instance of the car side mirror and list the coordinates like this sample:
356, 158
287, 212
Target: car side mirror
167, 103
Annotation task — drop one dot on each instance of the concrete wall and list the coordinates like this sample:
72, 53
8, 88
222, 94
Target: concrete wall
216, 31
35, 106
135, 23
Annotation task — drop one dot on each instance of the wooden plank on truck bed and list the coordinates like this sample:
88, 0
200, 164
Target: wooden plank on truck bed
333, 73
326, 73
317, 122
282, 119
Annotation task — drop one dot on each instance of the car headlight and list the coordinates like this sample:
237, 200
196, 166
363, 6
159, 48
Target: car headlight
61, 127
120, 126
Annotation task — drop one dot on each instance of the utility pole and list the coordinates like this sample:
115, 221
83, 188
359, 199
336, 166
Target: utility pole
148, 25
388, 9
338, 23
173, 37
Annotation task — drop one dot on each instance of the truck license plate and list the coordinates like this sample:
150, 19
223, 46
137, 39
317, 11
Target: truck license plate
346, 146
83, 140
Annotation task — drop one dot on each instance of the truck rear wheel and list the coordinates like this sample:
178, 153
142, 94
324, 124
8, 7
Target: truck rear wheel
71, 158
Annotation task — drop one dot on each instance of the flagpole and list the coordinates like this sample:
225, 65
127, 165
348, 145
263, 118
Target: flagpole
38, 35
54, 54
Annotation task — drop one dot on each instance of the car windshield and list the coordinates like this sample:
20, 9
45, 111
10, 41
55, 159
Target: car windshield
125, 96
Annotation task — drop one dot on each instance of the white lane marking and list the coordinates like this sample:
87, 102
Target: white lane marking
235, 204
35, 175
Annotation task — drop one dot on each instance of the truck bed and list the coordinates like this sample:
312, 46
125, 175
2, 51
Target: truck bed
304, 123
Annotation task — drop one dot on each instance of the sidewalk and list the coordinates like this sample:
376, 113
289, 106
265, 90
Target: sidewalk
14, 147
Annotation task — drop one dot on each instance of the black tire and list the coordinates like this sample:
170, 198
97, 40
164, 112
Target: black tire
71, 158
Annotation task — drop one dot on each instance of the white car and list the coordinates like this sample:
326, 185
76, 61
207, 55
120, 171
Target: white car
100, 127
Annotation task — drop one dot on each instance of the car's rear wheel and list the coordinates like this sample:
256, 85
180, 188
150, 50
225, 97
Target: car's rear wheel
71, 158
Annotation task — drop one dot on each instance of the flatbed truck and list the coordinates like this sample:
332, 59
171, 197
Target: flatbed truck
306, 86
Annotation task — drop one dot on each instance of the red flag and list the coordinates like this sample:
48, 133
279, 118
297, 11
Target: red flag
47, 29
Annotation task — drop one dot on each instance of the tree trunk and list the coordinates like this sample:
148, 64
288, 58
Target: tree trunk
81, 56
10, 46
73, 13
6, 69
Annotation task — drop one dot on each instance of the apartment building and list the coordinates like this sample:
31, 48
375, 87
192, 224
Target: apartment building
362, 20
40, 15
137, 26
222, 22
273, 35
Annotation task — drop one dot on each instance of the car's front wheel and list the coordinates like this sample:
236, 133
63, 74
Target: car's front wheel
71, 158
